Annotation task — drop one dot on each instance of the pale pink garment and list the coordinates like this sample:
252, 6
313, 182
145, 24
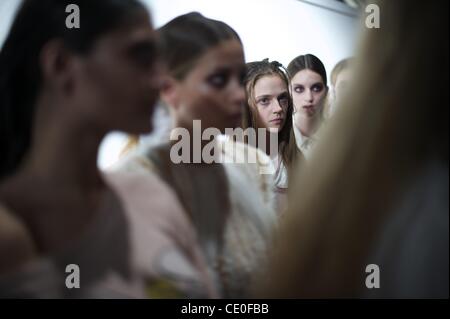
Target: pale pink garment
164, 243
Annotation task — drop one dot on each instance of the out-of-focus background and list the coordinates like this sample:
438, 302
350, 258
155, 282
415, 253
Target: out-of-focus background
275, 29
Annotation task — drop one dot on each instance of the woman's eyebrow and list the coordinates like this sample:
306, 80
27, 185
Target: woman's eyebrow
263, 96
222, 69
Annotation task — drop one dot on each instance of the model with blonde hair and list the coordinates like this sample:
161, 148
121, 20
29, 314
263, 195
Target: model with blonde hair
269, 106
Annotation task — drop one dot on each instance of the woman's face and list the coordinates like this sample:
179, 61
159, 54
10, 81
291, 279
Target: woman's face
308, 93
213, 90
271, 99
342, 83
118, 82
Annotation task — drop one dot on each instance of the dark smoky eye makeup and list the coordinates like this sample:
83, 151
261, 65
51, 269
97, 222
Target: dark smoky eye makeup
318, 87
284, 95
299, 88
283, 98
263, 100
219, 79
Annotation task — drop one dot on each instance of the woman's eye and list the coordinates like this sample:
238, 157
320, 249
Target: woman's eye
264, 101
317, 88
143, 60
218, 80
299, 89
284, 101
143, 55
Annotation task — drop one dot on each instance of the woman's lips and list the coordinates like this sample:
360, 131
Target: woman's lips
277, 121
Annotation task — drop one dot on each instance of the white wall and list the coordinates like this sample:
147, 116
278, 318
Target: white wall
7, 10
274, 29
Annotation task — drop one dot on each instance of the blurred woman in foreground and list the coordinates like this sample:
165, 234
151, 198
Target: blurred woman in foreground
61, 91
376, 191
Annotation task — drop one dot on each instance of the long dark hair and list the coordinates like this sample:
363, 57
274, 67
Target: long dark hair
36, 23
307, 62
187, 37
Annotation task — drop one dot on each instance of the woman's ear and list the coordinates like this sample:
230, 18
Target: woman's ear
170, 92
56, 65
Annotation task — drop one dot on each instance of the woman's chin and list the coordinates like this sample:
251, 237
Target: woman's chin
274, 129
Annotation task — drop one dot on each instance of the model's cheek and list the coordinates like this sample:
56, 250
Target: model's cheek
267, 114
296, 100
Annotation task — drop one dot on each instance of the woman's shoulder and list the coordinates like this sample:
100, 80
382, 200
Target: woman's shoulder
165, 246
135, 161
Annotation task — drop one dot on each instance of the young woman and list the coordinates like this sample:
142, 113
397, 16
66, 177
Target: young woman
61, 91
228, 205
340, 77
377, 190
309, 90
269, 106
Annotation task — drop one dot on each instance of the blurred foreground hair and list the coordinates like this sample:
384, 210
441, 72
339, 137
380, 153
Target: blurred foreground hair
394, 124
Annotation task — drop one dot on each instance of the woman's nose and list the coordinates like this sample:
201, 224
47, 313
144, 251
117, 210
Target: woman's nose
308, 96
277, 107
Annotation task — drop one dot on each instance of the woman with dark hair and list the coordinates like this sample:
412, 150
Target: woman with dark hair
227, 204
269, 105
61, 91
309, 91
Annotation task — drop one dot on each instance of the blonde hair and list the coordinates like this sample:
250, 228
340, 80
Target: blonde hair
369, 151
338, 68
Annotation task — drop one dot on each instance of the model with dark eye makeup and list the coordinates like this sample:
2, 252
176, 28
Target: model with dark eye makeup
309, 90
228, 206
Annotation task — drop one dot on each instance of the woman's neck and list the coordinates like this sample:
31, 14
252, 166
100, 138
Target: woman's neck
307, 125
272, 144
64, 150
